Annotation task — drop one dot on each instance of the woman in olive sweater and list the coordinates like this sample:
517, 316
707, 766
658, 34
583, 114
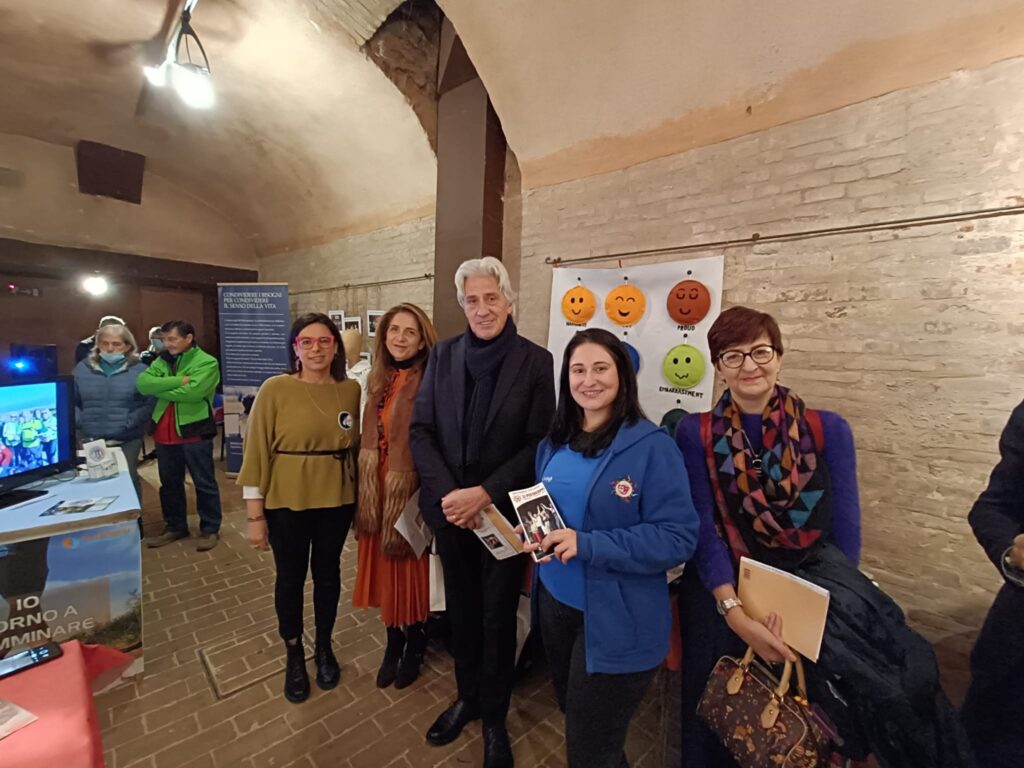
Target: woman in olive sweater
299, 482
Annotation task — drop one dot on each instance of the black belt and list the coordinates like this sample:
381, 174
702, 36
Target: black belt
340, 455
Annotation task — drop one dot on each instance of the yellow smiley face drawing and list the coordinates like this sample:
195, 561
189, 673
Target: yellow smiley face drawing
625, 305
578, 305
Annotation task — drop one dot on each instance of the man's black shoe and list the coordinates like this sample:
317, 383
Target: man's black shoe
497, 750
449, 725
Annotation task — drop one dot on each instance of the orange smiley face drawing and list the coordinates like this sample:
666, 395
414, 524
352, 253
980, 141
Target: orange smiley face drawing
625, 305
688, 302
578, 305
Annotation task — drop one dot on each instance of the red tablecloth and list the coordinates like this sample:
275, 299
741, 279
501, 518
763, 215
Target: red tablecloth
59, 693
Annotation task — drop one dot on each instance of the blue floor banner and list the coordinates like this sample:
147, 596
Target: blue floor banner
254, 322
81, 585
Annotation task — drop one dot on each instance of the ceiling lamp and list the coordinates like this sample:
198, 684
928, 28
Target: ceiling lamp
95, 285
191, 80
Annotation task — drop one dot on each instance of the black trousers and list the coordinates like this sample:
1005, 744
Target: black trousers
995, 698
294, 536
482, 595
597, 707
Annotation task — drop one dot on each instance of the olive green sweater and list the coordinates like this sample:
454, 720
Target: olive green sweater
290, 415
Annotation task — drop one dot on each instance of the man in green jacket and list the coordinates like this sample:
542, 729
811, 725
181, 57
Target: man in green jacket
183, 379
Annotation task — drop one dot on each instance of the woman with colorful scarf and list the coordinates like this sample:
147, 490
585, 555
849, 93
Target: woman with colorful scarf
390, 575
775, 481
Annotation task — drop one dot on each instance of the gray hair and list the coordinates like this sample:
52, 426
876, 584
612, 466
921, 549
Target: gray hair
131, 348
488, 266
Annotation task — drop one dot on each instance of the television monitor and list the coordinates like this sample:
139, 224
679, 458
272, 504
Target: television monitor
37, 434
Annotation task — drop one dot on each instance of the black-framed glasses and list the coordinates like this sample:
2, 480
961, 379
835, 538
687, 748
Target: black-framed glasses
761, 354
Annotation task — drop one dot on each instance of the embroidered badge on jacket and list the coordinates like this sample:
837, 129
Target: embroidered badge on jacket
625, 488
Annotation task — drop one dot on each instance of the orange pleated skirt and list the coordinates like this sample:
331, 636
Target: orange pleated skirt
400, 588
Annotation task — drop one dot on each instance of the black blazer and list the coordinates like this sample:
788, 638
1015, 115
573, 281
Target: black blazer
520, 414
998, 514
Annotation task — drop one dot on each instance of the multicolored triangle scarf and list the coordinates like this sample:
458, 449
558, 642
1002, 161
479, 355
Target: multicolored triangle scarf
779, 505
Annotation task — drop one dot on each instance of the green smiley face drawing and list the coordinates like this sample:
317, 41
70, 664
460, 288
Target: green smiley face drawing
684, 366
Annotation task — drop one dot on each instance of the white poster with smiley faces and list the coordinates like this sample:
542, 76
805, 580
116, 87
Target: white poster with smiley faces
661, 312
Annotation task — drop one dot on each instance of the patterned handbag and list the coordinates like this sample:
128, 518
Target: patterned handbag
756, 718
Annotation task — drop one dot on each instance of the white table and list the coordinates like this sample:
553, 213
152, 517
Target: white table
23, 521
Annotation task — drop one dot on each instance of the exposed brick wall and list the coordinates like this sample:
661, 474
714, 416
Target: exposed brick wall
405, 47
316, 275
915, 335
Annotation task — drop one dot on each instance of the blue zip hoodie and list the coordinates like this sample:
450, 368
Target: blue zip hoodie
639, 522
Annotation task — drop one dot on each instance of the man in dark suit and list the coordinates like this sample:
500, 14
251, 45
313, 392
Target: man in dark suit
995, 699
486, 400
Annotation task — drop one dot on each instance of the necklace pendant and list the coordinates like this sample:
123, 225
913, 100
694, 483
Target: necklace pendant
756, 463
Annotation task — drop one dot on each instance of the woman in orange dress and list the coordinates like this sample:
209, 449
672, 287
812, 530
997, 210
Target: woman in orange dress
390, 576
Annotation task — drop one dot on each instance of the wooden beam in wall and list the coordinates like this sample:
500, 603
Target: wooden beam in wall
470, 177
34, 260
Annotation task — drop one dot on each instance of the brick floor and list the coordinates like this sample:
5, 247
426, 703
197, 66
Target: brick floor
209, 626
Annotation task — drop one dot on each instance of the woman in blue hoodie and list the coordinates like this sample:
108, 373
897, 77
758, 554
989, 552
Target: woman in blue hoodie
602, 598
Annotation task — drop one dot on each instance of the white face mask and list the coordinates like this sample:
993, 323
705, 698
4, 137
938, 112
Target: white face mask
112, 357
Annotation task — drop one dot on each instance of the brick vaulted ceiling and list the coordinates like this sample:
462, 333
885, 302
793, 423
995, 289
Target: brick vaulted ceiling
309, 141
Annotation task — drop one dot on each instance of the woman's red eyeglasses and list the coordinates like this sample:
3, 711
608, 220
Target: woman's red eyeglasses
307, 342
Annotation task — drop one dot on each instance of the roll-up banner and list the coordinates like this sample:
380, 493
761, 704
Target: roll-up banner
254, 325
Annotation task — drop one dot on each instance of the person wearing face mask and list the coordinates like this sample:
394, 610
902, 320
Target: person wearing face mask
86, 345
108, 404
776, 481
390, 575
156, 345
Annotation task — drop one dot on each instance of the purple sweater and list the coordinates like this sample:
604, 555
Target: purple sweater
713, 559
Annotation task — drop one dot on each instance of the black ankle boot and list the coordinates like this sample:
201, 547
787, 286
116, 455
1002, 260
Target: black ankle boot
328, 673
409, 668
392, 654
296, 679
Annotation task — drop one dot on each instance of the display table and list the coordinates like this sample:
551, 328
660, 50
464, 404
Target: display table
26, 521
73, 576
59, 693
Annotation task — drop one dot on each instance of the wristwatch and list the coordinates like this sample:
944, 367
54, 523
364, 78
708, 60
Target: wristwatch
724, 606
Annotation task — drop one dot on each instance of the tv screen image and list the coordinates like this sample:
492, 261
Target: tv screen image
36, 430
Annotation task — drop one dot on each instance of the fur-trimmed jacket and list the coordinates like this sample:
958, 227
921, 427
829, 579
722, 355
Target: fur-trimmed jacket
379, 511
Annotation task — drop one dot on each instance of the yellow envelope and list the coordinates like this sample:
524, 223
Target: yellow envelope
802, 605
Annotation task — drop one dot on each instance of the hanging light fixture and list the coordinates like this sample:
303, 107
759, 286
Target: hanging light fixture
95, 285
191, 80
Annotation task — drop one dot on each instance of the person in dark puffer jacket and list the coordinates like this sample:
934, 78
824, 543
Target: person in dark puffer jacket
107, 403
